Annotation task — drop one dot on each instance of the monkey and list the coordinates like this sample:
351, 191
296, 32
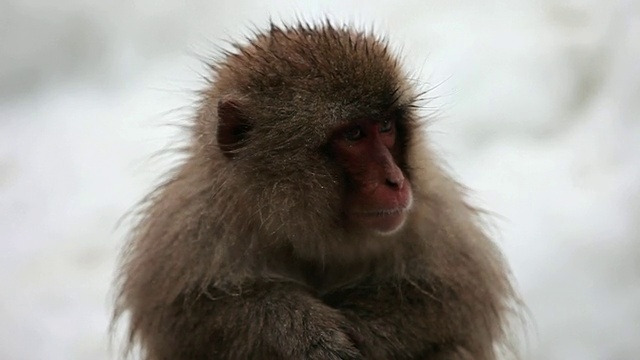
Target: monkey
311, 219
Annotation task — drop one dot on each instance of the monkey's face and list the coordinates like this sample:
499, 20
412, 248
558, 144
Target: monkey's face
379, 194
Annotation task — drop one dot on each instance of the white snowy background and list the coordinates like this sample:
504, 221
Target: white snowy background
539, 106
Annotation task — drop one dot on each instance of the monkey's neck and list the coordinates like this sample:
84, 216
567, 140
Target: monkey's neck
324, 275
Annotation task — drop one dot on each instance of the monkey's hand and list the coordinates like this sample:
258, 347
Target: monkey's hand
274, 320
398, 320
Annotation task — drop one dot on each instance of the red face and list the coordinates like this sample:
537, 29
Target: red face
380, 195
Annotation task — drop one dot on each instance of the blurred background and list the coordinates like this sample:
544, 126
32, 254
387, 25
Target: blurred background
539, 113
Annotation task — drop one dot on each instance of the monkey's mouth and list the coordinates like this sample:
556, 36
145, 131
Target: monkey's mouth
380, 213
384, 222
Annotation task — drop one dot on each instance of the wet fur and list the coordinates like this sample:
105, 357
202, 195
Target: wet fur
247, 258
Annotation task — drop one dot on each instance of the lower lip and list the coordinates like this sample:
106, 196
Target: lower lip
383, 222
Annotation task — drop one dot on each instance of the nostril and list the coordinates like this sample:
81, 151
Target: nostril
395, 183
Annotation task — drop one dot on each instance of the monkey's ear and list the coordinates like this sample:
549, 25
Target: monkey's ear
233, 127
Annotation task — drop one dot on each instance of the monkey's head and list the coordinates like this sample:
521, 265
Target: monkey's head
313, 125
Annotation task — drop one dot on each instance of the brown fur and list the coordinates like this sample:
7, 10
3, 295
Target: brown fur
243, 254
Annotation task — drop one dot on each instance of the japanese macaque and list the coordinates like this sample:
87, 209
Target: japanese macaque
311, 220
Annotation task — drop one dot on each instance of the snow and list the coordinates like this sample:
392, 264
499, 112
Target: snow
538, 112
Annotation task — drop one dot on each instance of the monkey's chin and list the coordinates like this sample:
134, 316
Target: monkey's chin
384, 222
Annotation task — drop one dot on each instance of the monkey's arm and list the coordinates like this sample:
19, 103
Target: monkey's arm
264, 321
405, 320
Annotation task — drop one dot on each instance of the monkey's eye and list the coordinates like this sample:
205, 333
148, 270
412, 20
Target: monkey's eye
386, 125
354, 133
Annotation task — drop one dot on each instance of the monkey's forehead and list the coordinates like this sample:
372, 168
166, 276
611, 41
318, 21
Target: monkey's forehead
338, 71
